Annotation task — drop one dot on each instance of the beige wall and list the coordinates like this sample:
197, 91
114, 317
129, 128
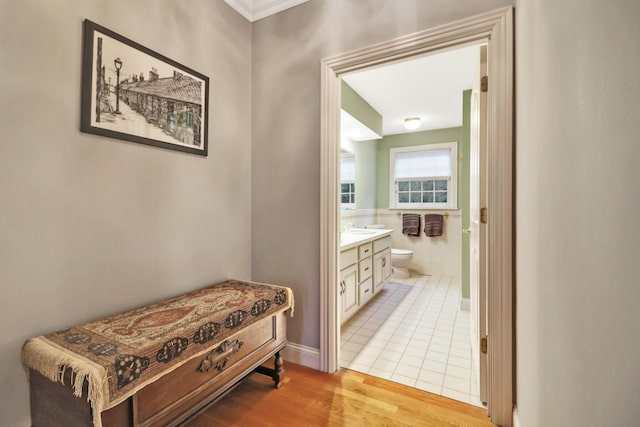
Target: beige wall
287, 50
577, 204
89, 225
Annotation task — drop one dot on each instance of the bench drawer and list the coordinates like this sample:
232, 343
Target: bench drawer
204, 377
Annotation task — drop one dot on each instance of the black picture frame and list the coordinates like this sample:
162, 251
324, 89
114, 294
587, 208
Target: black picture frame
132, 93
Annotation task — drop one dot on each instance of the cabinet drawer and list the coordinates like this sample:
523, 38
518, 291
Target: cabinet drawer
348, 257
176, 392
365, 269
365, 250
381, 244
366, 291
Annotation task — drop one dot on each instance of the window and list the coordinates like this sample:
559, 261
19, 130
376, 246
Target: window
347, 182
348, 194
189, 117
424, 176
171, 118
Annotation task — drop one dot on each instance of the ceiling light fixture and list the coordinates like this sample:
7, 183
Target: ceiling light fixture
412, 123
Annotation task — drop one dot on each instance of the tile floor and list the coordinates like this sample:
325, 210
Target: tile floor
414, 333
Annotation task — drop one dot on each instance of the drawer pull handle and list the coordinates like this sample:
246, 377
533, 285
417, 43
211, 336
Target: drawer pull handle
384, 262
366, 269
366, 290
219, 357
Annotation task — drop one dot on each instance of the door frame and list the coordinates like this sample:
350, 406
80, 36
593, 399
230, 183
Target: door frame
496, 29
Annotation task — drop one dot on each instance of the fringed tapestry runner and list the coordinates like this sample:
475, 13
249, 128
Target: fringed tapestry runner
120, 354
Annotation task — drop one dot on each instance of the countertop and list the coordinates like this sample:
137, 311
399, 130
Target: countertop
357, 236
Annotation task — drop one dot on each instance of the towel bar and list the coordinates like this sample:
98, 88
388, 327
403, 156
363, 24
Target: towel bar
445, 215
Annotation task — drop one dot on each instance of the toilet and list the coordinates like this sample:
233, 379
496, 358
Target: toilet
400, 259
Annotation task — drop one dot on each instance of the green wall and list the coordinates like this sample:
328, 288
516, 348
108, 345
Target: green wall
360, 109
365, 154
407, 140
364, 151
372, 165
459, 134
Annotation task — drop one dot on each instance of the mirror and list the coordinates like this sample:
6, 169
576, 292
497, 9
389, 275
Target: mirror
347, 180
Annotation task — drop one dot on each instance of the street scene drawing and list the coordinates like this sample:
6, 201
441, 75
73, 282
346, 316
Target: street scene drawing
143, 96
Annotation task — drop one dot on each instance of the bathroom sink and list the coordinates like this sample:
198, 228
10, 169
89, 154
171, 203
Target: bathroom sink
359, 231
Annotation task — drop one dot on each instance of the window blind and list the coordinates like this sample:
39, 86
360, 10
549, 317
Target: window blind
422, 164
347, 169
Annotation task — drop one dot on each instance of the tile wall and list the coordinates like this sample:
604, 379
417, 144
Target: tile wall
431, 255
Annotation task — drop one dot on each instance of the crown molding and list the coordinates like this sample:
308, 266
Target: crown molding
254, 10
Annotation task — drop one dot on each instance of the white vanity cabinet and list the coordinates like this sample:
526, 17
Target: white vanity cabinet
365, 265
381, 263
348, 283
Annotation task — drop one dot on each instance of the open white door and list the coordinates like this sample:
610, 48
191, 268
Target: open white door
477, 227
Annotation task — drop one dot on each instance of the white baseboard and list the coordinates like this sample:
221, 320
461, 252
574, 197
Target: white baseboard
301, 355
516, 419
465, 304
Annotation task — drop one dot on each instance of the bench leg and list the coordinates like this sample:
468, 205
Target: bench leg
277, 374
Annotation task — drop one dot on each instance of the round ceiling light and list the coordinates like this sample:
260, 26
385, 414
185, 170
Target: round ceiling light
412, 123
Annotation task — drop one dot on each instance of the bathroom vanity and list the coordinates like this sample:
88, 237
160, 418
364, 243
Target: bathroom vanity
365, 266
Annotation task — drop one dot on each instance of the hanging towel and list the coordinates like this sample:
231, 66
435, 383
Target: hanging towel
433, 225
411, 224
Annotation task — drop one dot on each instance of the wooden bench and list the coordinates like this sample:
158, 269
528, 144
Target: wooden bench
161, 364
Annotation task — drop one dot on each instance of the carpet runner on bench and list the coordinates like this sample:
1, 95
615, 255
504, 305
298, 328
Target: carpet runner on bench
120, 354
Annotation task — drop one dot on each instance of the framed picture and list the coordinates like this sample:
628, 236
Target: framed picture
133, 93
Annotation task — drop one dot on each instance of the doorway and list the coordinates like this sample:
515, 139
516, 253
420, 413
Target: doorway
496, 30
415, 330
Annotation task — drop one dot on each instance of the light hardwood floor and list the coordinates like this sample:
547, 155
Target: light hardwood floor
311, 398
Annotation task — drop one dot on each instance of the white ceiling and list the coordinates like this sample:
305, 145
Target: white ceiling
254, 10
429, 87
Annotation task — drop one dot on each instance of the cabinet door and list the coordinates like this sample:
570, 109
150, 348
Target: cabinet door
348, 290
381, 269
386, 265
378, 271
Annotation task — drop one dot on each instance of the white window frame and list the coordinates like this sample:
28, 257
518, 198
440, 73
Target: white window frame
452, 197
348, 206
